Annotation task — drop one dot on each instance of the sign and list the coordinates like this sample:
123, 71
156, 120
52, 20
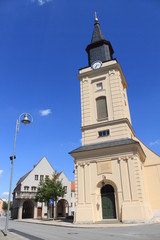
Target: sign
104, 167
51, 201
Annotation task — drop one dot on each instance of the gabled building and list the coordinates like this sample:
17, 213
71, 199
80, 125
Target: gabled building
24, 193
116, 175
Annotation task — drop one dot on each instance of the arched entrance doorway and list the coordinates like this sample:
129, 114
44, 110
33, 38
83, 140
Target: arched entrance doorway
62, 208
28, 209
108, 202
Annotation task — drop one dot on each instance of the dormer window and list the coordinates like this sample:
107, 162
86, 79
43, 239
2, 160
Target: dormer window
99, 86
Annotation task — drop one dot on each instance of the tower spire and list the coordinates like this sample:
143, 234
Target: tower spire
99, 48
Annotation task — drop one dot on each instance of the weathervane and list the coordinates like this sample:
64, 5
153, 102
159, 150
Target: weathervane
96, 19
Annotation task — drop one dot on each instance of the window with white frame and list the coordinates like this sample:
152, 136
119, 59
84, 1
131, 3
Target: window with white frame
41, 177
104, 133
33, 188
26, 188
65, 189
36, 177
99, 86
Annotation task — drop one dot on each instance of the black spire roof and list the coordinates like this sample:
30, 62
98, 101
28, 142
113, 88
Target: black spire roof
97, 33
99, 48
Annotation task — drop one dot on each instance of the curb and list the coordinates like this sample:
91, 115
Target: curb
87, 226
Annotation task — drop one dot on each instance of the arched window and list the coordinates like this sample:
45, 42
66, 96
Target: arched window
102, 111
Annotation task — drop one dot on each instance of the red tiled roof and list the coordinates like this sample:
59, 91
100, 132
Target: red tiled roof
58, 174
72, 186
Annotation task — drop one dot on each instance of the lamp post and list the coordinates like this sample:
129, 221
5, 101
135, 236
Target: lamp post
27, 118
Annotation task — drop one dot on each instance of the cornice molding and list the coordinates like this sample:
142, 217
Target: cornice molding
108, 123
106, 67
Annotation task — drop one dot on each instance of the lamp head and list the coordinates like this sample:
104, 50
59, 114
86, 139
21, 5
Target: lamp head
25, 120
11, 157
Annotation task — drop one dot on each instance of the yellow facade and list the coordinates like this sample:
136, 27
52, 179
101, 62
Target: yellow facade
116, 176
119, 160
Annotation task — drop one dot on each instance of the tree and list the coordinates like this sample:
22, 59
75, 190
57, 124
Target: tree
49, 189
5, 206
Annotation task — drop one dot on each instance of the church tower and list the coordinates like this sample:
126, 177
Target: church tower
109, 181
104, 103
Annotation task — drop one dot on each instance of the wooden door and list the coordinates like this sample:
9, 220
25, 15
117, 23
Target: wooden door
39, 212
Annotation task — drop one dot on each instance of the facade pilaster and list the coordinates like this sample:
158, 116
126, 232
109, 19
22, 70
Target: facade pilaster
125, 180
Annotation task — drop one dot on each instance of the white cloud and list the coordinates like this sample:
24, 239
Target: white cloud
41, 2
157, 142
45, 112
5, 193
1, 171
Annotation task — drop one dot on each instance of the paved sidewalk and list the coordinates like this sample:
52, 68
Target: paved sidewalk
103, 224
65, 223
10, 236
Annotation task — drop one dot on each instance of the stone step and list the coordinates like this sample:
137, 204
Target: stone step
108, 221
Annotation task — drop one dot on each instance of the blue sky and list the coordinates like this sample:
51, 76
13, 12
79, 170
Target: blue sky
42, 46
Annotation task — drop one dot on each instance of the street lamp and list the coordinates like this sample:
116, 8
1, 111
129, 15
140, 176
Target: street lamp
27, 119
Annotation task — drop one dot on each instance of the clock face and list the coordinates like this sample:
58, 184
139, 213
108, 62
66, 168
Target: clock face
96, 64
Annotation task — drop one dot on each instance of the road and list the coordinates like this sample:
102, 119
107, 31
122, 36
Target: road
43, 232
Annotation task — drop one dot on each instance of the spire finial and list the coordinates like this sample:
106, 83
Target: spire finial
96, 19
